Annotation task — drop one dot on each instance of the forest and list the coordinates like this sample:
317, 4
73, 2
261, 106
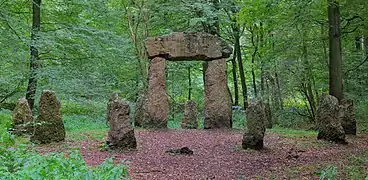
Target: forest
289, 54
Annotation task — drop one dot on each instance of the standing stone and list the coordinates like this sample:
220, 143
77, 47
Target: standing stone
157, 101
328, 120
141, 112
256, 117
121, 134
268, 114
49, 126
217, 110
22, 118
347, 116
190, 115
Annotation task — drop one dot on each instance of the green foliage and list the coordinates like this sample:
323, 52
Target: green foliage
6, 139
239, 119
293, 132
329, 173
23, 163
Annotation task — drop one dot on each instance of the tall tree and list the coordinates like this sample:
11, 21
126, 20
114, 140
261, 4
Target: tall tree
34, 64
335, 65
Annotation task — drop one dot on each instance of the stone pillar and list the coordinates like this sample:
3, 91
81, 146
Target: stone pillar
22, 118
217, 110
157, 100
256, 121
190, 115
347, 116
121, 134
49, 126
328, 120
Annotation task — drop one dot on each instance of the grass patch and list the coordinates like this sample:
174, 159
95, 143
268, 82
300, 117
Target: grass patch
293, 133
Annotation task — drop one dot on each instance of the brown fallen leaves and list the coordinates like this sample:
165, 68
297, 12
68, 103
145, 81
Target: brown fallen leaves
217, 154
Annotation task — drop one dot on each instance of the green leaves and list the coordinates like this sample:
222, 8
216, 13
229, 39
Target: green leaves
21, 163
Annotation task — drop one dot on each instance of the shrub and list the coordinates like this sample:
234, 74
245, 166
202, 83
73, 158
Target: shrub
21, 163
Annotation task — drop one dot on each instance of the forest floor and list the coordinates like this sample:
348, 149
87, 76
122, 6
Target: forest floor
218, 154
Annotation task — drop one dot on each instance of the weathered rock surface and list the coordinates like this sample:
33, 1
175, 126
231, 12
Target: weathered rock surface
256, 117
269, 122
217, 110
328, 120
347, 116
121, 134
49, 126
141, 111
188, 46
190, 115
157, 100
22, 118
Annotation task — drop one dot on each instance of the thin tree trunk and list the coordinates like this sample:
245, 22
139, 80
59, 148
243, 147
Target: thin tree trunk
190, 85
255, 46
235, 80
279, 94
241, 71
262, 63
335, 71
34, 64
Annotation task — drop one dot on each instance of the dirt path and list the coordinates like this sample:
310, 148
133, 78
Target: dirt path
218, 154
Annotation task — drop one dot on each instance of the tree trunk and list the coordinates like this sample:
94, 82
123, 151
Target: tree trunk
32, 81
190, 85
235, 80
307, 76
255, 46
335, 71
278, 91
241, 71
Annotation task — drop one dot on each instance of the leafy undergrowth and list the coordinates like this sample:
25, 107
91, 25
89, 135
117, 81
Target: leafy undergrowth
24, 163
19, 159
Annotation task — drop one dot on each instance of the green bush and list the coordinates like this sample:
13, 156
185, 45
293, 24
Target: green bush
83, 107
21, 163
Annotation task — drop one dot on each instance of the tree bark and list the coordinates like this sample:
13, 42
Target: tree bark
255, 46
190, 85
241, 71
235, 80
335, 72
34, 64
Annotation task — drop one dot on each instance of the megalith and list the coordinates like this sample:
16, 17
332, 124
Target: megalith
121, 134
157, 100
49, 127
217, 102
22, 118
256, 118
347, 116
187, 46
328, 120
190, 115
140, 111
183, 46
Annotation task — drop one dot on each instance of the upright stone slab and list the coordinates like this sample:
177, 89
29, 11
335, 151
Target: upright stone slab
141, 112
328, 120
256, 117
190, 115
22, 118
121, 134
217, 102
347, 116
157, 100
49, 127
